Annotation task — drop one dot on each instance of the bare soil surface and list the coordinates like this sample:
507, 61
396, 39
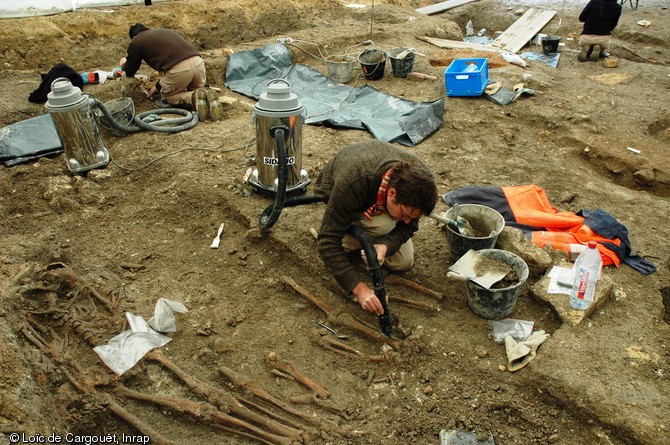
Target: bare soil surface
77, 252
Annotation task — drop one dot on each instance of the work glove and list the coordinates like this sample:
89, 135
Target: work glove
519, 354
535, 339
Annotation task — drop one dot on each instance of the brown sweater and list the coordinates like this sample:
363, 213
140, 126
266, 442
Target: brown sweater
160, 48
349, 185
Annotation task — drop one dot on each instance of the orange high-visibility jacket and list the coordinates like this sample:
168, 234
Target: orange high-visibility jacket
530, 207
527, 208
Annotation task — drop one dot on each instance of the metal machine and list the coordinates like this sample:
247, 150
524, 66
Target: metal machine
279, 118
73, 114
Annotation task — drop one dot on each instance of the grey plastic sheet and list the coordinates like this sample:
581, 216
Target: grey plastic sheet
386, 117
28, 140
549, 59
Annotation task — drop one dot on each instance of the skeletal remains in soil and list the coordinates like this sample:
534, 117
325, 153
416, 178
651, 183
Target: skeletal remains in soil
254, 413
345, 319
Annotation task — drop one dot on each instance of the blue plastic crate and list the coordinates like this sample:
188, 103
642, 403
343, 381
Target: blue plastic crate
466, 77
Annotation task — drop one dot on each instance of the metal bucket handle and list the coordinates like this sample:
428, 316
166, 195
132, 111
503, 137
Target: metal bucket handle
279, 80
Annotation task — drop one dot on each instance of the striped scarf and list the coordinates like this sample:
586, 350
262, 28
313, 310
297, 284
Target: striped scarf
379, 206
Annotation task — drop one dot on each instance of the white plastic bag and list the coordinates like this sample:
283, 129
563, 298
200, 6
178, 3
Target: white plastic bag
126, 349
163, 319
519, 330
514, 59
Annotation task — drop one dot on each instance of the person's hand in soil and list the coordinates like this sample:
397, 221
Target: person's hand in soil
367, 299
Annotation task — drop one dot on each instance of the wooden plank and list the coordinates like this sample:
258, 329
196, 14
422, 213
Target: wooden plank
457, 44
522, 31
439, 7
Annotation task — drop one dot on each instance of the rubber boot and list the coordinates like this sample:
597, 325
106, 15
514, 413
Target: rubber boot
199, 100
592, 48
585, 53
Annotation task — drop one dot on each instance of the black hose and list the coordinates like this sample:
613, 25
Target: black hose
291, 202
188, 121
303, 199
377, 278
270, 215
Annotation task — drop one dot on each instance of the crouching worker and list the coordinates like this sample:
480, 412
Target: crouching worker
183, 73
600, 17
384, 190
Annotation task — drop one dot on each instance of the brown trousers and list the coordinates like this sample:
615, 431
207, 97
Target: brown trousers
179, 82
380, 225
592, 39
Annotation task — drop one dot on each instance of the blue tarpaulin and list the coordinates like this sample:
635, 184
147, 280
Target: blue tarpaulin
386, 117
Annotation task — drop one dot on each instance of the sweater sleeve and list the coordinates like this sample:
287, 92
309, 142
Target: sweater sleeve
342, 209
133, 61
584, 15
615, 20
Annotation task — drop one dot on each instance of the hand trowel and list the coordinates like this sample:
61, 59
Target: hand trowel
217, 239
475, 267
459, 225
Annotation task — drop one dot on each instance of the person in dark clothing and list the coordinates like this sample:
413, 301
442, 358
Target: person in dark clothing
600, 17
383, 189
179, 62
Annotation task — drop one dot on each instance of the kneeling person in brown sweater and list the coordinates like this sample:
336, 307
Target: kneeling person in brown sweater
383, 189
183, 73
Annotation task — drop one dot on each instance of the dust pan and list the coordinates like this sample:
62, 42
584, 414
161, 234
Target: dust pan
477, 268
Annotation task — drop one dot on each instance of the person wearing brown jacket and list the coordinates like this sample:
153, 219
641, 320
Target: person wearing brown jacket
183, 73
383, 189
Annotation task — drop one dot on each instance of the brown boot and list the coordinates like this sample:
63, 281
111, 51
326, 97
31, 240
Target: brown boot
214, 104
199, 101
585, 53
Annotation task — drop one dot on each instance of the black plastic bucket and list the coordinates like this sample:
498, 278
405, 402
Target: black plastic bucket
372, 63
486, 222
550, 44
494, 304
401, 66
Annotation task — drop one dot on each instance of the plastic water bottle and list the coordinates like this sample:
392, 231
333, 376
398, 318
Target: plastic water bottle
587, 272
575, 250
470, 68
469, 28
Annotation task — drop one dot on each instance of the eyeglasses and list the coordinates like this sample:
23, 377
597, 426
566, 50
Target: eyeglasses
406, 214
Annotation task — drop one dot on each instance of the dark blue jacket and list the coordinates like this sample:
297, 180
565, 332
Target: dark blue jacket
600, 17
